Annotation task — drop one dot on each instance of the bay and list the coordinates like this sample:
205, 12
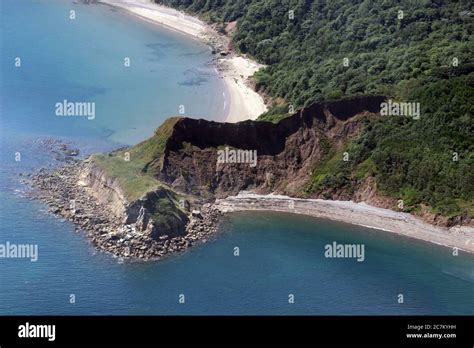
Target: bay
279, 254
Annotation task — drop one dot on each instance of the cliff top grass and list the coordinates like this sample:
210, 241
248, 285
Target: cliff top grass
150, 151
131, 179
133, 175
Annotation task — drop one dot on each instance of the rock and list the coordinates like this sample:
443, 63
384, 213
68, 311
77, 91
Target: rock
196, 214
72, 152
142, 219
55, 210
114, 237
58, 186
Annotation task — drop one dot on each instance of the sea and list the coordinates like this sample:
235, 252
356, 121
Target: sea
259, 263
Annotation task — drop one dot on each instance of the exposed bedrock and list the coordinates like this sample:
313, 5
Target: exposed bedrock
287, 151
153, 213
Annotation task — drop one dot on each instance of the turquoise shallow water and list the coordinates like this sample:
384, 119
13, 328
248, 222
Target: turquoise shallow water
83, 60
280, 254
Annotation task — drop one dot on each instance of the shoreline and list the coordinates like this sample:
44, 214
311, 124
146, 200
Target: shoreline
127, 241
241, 101
235, 84
360, 214
107, 231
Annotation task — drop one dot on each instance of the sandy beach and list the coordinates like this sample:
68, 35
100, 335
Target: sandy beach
241, 102
355, 213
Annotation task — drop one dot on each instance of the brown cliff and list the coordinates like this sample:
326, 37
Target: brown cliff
287, 151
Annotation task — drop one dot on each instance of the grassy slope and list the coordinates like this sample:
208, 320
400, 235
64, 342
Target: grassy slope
132, 175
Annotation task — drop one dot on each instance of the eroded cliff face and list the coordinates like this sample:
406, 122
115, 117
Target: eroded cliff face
154, 213
105, 189
147, 228
157, 213
287, 151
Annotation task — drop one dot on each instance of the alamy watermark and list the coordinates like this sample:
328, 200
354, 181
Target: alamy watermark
67, 108
393, 108
28, 330
335, 250
20, 251
229, 155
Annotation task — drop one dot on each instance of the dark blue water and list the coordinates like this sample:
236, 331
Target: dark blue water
280, 254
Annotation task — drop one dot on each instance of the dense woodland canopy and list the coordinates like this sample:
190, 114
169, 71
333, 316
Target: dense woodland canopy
409, 50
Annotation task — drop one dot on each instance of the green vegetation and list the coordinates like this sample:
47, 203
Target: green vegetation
414, 160
134, 169
417, 51
135, 175
131, 179
305, 54
275, 114
166, 214
149, 153
135, 183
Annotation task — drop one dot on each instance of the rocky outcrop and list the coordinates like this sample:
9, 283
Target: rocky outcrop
82, 193
105, 189
143, 213
147, 215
